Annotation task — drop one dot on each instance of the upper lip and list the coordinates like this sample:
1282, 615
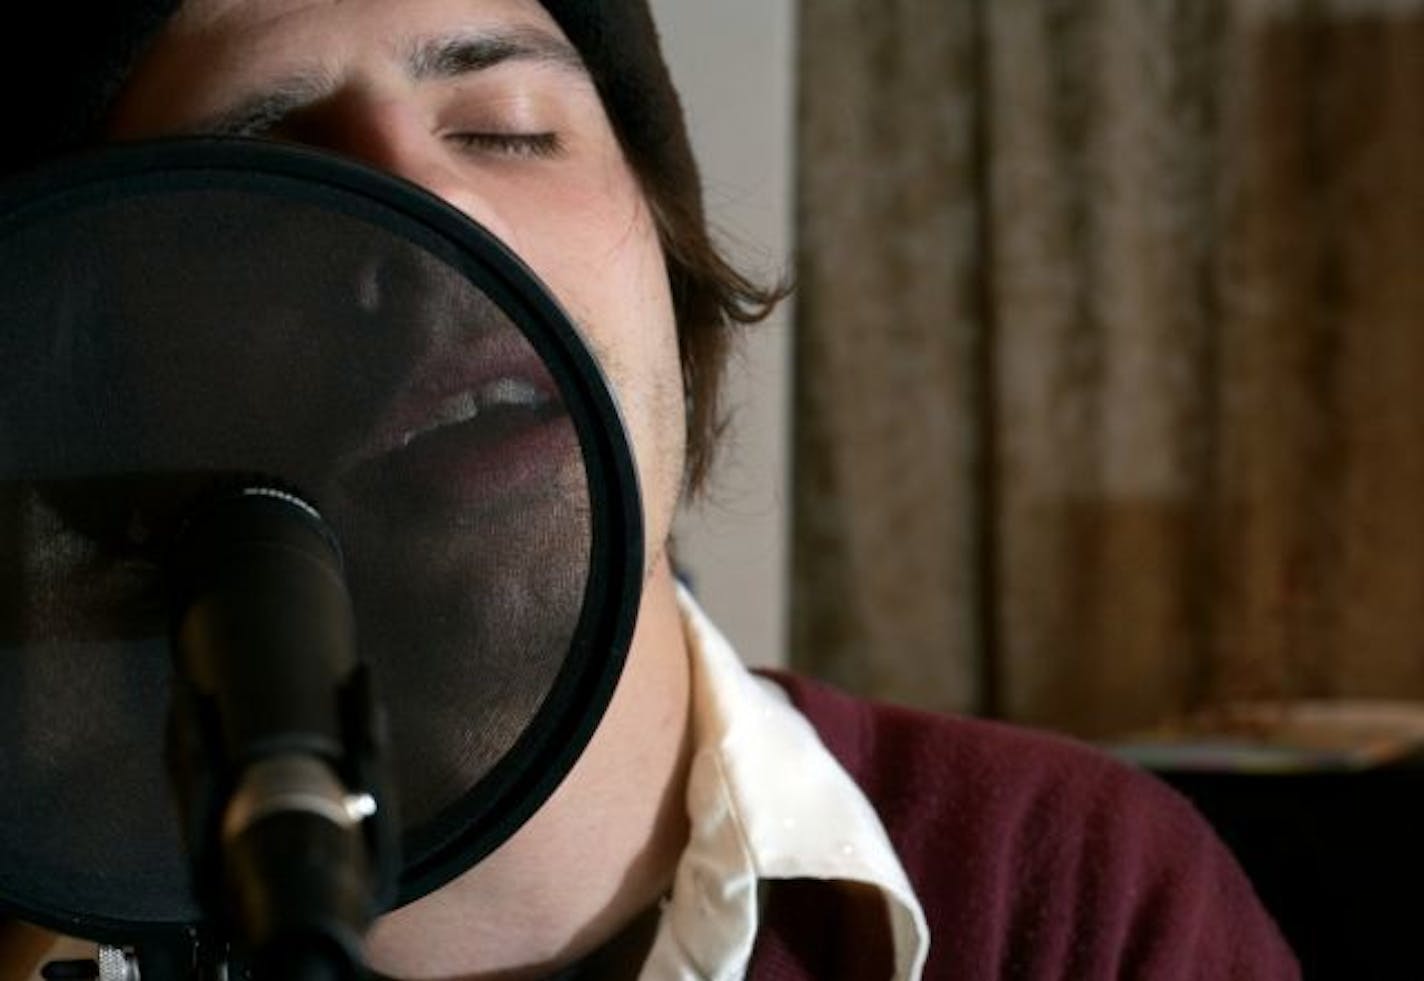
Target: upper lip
431, 390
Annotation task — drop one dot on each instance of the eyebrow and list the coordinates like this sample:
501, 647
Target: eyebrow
449, 57
434, 59
264, 110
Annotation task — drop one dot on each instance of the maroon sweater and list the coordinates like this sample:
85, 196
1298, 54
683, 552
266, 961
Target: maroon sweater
1034, 857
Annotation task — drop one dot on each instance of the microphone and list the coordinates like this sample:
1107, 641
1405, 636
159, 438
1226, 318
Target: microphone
274, 742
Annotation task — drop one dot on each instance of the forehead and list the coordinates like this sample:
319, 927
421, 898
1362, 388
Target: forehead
212, 50
331, 16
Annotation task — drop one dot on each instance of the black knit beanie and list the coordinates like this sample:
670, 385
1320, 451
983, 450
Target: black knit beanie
62, 73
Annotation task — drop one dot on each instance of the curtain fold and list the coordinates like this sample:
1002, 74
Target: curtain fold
885, 435
1110, 326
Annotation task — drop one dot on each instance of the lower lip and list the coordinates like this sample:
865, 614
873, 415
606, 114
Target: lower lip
475, 465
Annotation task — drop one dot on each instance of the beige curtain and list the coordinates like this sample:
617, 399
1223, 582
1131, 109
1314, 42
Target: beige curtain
1110, 354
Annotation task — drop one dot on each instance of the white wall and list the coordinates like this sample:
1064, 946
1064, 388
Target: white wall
733, 63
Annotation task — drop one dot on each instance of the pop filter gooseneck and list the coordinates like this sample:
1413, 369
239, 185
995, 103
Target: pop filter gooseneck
176, 315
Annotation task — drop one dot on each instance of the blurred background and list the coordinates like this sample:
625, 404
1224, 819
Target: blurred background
1107, 351
1100, 406
735, 66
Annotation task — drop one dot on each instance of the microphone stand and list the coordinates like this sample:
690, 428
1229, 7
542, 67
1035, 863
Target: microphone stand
274, 742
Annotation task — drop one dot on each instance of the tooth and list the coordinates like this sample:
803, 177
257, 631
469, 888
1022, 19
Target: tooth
509, 391
467, 405
461, 408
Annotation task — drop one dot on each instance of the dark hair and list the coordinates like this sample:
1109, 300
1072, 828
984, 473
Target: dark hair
619, 44
710, 299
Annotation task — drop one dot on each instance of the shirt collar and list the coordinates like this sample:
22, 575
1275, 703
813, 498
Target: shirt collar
766, 801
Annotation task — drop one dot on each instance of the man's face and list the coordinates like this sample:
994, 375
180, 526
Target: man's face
483, 102
486, 104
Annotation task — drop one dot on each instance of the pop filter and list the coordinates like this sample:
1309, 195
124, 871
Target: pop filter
178, 315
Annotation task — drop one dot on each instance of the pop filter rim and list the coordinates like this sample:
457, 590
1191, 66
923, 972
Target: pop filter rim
486, 815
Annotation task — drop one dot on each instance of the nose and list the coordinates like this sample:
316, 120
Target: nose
407, 286
394, 136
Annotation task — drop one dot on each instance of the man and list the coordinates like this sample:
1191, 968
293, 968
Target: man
707, 831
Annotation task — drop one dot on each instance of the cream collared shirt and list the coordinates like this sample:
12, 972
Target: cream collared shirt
767, 801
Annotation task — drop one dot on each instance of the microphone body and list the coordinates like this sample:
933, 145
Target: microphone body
275, 742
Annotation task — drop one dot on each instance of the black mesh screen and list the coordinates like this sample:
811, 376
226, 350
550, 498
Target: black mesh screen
183, 315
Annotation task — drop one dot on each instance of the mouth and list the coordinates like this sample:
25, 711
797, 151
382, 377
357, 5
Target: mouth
501, 400
492, 435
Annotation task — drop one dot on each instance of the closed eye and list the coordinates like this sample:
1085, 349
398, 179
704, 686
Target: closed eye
515, 145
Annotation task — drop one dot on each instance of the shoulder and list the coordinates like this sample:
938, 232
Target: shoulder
1039, 853
920, 765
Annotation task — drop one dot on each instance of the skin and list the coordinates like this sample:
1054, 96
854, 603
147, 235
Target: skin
524, 147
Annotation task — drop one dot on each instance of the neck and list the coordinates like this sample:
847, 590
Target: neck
600, 852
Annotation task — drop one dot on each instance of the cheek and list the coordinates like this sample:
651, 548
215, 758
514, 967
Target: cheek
594, 244
617, 291
610, 274
591, 241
